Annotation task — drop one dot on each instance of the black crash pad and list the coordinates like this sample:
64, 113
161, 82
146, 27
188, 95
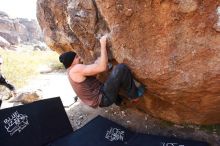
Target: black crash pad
103, 132
45, 123
34, 124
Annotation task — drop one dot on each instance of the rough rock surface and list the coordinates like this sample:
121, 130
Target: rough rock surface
19, 30
26, 98
29, 30
4, 43
172, 47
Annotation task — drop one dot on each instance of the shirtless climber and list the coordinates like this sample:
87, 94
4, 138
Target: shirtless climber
89, 89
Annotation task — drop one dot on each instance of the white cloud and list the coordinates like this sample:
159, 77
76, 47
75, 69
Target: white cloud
19, 8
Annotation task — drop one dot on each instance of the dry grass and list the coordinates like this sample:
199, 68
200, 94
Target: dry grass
19, 67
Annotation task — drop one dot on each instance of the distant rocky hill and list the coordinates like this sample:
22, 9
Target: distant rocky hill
18, 31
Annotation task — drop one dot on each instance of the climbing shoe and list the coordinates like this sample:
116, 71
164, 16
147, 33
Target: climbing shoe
140, 91
119, 100
110, 66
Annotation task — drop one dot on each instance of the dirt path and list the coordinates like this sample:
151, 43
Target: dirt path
56, 84
53, 85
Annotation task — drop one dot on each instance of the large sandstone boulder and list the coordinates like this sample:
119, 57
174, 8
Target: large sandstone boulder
172, 47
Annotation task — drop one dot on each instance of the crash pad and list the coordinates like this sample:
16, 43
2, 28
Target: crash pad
34, 124
103, 132
45, 123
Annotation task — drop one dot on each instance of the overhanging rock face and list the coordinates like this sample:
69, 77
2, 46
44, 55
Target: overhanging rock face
173, 47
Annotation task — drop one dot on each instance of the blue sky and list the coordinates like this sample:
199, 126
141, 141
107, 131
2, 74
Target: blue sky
19, 8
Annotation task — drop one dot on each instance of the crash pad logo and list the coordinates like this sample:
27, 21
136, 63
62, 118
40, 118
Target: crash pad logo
16, 123
170, 144
115, 134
